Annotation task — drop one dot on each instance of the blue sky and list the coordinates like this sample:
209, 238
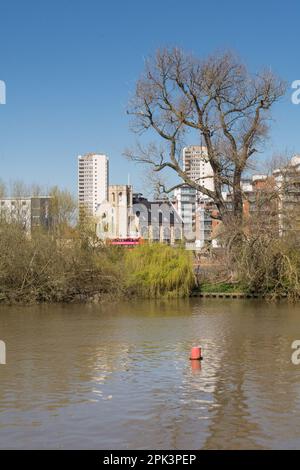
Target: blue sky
70, 67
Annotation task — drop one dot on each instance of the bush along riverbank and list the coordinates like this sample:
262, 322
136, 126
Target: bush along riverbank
43, 268
259, 264
159, 271
77, 267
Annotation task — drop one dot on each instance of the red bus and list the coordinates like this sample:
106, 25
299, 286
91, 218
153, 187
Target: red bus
130, 242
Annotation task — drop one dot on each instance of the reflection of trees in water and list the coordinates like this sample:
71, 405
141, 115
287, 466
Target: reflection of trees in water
231, 425
59, 353
254, 392
245, 395
54, 360
252, 389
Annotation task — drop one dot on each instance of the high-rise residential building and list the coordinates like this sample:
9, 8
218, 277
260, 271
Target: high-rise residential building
197, 166
186, 198
92, 181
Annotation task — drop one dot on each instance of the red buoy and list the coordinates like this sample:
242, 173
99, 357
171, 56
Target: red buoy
196, 354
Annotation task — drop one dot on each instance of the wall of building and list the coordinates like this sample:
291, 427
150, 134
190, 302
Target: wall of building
157, 221
115, 215
120, 198
29, 212
197, 166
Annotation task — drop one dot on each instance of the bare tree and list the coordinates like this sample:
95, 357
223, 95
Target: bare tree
3, 189
63, 209
19, 189
216, 98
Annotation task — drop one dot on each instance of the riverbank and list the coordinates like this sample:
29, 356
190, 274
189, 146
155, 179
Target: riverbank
45, 268
233, 291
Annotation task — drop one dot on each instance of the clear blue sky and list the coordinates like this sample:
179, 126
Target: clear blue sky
70, 66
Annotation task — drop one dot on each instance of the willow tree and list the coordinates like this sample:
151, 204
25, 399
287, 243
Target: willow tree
218, 99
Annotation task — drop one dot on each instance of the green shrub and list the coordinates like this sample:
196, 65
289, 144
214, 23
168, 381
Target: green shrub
46, 268
157, 270
221, 287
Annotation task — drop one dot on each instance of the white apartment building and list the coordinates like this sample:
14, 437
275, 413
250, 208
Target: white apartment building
186, 198
197, 166
92, 181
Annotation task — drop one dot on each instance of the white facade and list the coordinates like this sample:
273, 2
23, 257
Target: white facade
287, 182
92, 181
29, 212
132, 216
115, 215
16, 210
197, 166
157, 221
186, 202
246, 185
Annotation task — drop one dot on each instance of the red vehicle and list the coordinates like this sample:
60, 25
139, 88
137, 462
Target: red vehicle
129, 242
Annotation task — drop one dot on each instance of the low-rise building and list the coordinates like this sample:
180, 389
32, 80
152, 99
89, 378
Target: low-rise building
29, 212
127, 215
157, 221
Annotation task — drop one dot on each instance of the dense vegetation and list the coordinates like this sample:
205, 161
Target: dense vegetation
45, 268
68, 263
270, 266
260, 260
159, 270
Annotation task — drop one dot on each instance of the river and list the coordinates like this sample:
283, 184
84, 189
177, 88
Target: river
119, 376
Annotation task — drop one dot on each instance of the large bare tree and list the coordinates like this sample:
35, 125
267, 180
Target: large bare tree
216, 98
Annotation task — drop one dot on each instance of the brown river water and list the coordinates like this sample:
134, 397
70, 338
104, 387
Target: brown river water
119, 376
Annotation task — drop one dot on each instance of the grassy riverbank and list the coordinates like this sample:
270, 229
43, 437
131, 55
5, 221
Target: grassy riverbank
222, 287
